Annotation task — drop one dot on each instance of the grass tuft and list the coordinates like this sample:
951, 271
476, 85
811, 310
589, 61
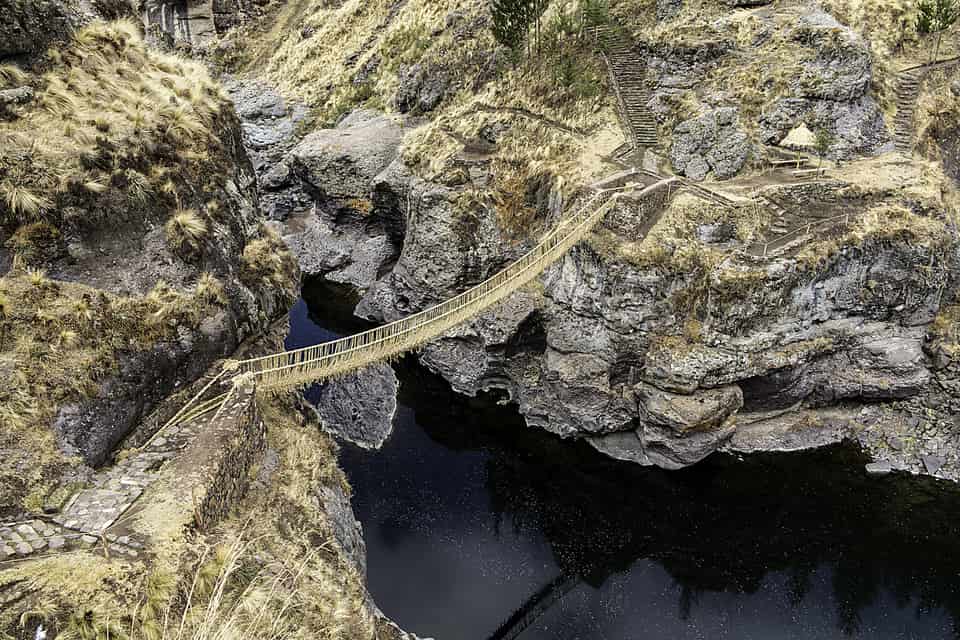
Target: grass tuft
12, 76
22, 202
186, 231
210, 291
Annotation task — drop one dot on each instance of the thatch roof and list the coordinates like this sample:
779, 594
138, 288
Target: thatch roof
799, 138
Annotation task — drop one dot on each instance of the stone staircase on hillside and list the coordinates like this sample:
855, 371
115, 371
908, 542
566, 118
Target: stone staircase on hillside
628, 76
87, 519
908, 89
97, 516
792, 228
909, 82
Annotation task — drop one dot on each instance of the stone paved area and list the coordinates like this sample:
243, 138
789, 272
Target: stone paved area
87, 520
20, 540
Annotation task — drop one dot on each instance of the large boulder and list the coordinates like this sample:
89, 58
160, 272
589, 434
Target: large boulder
676, 430
841, 67
712, 141
342, 163
662, 447
360, 406
705, 409
450, 244
345, 255
324, 187
831, 91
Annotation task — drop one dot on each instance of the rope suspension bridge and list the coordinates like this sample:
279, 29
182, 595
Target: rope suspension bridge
298, 367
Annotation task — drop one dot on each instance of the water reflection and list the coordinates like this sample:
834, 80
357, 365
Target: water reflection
472, 519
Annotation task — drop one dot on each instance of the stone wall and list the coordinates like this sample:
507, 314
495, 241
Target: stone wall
190, 22
229, 469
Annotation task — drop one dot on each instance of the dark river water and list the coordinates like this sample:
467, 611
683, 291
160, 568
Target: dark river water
478, 527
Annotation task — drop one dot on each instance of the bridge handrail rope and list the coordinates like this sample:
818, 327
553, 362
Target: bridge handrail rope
394, 338
392, 333
933, 64
433, 319
311, 364
431, 310
181, 415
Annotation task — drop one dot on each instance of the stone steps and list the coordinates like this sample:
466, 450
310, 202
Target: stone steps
909, 83
628, 73
85, 521
789, 229
908, 90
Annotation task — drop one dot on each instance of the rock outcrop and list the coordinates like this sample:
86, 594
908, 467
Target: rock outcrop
193, 23
713, 142
359, 407
139, 258
28, 28
341, 163
594, 354
447, 245
668, 9
831, 92
422, 88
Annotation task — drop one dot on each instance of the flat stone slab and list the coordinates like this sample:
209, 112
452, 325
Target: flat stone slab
881, 468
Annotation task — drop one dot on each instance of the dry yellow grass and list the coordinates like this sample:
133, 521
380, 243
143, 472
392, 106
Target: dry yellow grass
59, 340
186, 231
318, 62
107, 114
267, 260
274, 571
937, 114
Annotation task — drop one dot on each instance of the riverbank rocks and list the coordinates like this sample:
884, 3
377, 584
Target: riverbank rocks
651, 445
712, 141
360, 406
344, 255
675, 430
704, 409
343, 232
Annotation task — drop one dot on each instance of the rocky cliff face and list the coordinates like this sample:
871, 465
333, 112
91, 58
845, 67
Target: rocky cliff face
149, 264
595, 353
139, 258
778, 69
697, 346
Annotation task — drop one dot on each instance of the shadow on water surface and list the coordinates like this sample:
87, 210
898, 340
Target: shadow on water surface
471, 518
